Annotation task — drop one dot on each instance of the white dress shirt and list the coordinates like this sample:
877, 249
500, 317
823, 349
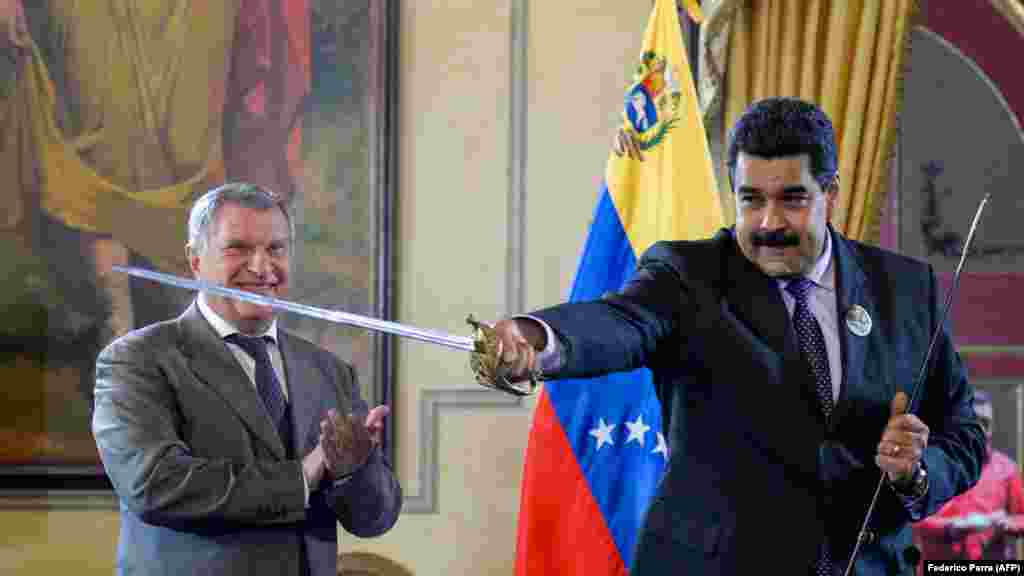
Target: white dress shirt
224, 329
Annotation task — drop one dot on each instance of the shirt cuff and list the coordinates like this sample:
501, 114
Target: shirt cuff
914, 503
549, 360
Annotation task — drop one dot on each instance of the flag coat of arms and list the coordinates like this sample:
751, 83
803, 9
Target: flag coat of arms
596, 451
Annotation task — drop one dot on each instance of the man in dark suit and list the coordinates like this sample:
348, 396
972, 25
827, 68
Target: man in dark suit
222, 433
783, 355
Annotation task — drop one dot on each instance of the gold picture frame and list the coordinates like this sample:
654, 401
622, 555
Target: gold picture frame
306, 105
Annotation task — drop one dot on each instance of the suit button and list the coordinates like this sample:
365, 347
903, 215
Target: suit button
868, 537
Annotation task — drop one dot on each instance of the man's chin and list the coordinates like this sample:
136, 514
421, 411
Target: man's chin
254, 313
776, 268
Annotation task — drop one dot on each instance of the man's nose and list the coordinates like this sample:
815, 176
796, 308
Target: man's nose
773, 217
259, 262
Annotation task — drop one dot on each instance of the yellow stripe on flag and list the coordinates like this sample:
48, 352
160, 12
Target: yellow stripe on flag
663, 183
693, 7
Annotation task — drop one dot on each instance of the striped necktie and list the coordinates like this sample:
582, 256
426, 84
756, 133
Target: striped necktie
267, 384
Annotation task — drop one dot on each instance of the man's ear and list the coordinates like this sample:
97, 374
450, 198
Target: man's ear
193, 259
831, 197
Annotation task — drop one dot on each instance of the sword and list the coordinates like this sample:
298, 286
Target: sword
922, 373
483, 345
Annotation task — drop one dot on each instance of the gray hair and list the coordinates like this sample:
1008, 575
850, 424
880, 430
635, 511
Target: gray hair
205, 209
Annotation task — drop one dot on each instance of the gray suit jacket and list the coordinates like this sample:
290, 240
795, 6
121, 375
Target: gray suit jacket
204, 481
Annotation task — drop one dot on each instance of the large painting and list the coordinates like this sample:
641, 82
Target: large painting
114, 116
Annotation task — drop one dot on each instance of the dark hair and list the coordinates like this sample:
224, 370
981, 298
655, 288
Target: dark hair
778, 127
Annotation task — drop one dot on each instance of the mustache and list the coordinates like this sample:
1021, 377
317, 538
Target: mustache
775, 238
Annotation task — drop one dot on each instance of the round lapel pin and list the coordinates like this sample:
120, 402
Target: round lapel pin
858, 320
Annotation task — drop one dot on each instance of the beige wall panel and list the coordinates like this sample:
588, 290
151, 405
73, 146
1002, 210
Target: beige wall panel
581, 57
41, 543
475, 529
453, 154
455, 139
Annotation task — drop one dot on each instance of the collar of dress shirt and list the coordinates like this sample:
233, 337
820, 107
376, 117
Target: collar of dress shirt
222, 327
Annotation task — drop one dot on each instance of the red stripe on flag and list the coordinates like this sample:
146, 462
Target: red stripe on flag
561, 529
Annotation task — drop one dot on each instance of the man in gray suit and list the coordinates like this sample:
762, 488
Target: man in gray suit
221, 432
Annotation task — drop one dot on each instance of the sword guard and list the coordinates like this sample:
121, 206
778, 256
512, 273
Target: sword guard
486, 364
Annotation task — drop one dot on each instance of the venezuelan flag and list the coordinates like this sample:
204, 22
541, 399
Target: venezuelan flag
596, 451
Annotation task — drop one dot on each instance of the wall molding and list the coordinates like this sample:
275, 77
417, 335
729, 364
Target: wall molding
430, 405
59, 500
986, 350
515, 259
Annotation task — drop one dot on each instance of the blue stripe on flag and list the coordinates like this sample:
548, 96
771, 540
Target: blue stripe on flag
622, 476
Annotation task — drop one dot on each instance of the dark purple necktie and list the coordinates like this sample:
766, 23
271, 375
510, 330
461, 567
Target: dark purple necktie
267, 384
812, 348
274, 401
812, 343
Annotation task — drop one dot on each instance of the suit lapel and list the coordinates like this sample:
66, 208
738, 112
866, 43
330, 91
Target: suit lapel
213, 364
303, 395
753, 298
756, 300
851, 290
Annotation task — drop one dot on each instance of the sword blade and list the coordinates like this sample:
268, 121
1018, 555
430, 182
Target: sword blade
333, 316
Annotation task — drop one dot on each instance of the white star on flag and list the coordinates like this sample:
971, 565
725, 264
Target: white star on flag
662, 447
637, 430
603, 433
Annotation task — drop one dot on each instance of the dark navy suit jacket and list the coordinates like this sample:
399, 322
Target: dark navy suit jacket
756, 474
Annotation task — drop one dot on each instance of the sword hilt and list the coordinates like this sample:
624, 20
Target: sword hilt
486, 364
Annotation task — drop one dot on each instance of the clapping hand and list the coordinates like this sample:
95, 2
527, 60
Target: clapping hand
375, 423
348, 440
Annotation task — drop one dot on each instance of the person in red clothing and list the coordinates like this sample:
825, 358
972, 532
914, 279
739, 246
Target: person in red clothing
984, 522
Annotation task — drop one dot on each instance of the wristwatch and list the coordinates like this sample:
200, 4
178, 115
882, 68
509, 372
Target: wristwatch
917, 486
